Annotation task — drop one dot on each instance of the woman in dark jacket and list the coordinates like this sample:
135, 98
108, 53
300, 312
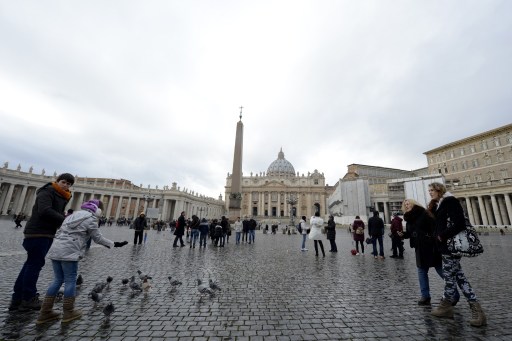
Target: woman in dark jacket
358, 234
181, 225
331, 233
420, 229
450, 220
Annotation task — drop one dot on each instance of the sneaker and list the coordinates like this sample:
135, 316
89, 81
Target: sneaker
424, 301
381, 257
33, 304
14, 305
357, 254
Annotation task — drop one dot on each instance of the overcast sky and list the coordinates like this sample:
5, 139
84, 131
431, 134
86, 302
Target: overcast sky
150, 91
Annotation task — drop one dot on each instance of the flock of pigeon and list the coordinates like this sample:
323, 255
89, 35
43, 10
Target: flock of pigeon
143, 284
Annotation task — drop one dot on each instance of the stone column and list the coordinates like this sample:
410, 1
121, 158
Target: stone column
483, 211
470, 211
118, 209
269, 204
21, 200
497, 217
109, 206
8, 199
127, 210
474, 205
503, 210
165, 207
488, 209
508, 203
136, 210
386, 213
278, 204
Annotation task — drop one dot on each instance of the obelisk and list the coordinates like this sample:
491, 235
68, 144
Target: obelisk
235, 198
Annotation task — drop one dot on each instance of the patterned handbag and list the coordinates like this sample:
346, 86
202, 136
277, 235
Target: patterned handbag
465, 243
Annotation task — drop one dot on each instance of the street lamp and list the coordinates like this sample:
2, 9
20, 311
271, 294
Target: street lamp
292, 201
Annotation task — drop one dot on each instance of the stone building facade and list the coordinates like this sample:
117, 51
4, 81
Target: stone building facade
478, 171
120, 197
269, 195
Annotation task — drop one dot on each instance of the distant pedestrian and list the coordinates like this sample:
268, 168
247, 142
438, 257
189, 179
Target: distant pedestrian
252, 230
139, 225
358, 234
203, 230
194, 231
18, 220
47, 216
181, 225
224, 223
304, 232
316, 235
331, 233
376, 231
245, 229
238, 230
397, 244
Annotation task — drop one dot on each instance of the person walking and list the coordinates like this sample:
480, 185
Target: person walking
252, 230
181, 224
397, 245
317, 224
224, 223
331, 233
450, 220
245, 230
67, 249
420, 229
18, 220
203, 230
376, 231
238, 230
139, 225
47, 216
194, 231
358, 234
304, 232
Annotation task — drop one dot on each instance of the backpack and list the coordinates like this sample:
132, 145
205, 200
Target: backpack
299, 228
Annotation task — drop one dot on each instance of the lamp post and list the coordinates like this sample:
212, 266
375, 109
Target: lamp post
292, 201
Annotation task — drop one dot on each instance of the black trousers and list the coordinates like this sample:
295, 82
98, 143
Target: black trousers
138, 235
176, 241
321, 247
334, 248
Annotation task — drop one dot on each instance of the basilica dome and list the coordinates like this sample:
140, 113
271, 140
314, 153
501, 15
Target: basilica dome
281, 166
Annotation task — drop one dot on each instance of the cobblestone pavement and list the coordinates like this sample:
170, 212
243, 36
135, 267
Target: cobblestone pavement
270, 291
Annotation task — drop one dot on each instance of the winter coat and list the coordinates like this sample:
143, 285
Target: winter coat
238, 226
331, 229
203, 228
419, 229
303, 226
448, 208
180, 226
375, 226
358, 223
246, 226
71, 239
140, 223
195, 223
316, 228
396, 226
225, 225
47, 212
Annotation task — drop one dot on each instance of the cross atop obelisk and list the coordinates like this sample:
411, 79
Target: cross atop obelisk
241, 108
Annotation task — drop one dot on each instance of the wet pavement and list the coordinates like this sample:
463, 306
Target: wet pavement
270, 291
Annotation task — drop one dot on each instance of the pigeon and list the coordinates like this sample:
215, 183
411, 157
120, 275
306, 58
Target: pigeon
79, 280
109, 280
146, 284
108, 310
204, 289
142, 276
125, 281
96, 297
213, 285
99, 287
174, 283
134, 285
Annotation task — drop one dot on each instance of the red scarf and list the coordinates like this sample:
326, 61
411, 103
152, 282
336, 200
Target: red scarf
65, 193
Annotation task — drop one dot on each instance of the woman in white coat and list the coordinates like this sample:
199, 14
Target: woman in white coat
67, 249
316, 232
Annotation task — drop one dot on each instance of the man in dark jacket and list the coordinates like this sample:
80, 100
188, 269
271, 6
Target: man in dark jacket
139, 224
181, 224
397, 244
47, 216
252, 230
376, 231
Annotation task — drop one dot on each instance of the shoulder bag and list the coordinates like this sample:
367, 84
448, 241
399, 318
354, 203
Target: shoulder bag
465, 243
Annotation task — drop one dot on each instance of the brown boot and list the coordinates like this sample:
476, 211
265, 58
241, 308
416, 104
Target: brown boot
70, 313
445, 309
46, 314
478, 318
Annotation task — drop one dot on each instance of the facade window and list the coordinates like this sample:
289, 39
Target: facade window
431, 160
484, 145
504, 173
274, 196
454, 167
462, 151
509, 138
497, 141
475, 163
254, 196
467, 179
452, 154
472, 148
437, 158
316, 181
488, 160
500, 157
490, 176
478, 178
464, 165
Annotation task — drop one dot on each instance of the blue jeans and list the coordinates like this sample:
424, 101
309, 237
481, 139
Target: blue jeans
381, 247
237, 235
304, 236
424, 282
202, 239
63, 272
252, 235
194, 234
25, 287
